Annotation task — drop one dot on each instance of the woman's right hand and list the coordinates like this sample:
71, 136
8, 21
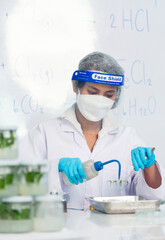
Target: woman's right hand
73, 169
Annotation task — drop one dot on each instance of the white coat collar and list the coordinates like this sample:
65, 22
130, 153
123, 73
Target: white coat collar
70, 116
107, 127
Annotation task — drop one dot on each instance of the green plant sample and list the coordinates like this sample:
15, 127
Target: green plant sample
2, 182
6, 179
9, 178
6, 141
7, 213
118, 181
33, 176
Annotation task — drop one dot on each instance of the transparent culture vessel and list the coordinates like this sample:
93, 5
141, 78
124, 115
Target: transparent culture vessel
8, 178
16, 214
49, 213
118, 187
8, 143
33, 178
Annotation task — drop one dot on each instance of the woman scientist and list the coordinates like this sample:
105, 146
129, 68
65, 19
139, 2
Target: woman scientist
85, 132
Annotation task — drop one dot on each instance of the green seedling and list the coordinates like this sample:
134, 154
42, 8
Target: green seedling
9, 178
120, 182
6, 142
33, 176
6, 180
7, 213
2, 182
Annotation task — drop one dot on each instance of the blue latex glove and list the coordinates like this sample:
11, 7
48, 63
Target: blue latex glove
142, 157
73, 169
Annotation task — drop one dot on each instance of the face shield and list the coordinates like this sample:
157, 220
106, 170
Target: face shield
97, 93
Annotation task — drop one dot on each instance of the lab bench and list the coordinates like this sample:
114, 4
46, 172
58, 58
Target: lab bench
92, 225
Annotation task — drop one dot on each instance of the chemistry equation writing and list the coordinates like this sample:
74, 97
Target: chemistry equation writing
27, 105
130, 20
156, 3
24, 68
134, 108
2, 65
136, 73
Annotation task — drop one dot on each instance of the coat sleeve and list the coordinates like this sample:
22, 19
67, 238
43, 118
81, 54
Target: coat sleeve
140, 186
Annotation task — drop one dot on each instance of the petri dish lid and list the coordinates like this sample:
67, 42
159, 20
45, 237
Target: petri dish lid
17, 199
8, 163
49, 198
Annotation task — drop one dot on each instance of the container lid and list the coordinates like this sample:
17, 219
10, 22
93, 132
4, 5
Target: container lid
34, 162
8, 163
8, 128
17, 199
49, 198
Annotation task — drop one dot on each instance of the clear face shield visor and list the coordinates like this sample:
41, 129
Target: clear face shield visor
91, 104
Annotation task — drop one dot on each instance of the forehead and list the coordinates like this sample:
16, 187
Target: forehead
99, 86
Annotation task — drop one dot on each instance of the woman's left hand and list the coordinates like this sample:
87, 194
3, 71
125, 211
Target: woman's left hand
142, 157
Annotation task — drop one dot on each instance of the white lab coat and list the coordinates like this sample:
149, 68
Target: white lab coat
62, 137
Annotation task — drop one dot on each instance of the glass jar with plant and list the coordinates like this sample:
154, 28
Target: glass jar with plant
49, 213
16, 214
8, 144
33, 178
8, 178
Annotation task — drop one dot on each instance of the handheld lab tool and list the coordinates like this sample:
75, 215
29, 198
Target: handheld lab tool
92, 169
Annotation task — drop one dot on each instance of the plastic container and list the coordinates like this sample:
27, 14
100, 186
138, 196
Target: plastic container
33, 178
16, 214
49, 214
8, 178
8, 143
91, 170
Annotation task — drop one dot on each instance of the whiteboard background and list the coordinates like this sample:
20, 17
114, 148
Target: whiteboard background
42, 42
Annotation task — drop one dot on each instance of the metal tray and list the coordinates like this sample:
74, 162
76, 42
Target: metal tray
122, 204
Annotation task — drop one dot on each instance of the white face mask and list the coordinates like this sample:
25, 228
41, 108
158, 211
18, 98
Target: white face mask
94, 107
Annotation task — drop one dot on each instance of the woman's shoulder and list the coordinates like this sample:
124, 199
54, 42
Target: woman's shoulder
129, 130
131, 134
60, 119
49, 123
41, 127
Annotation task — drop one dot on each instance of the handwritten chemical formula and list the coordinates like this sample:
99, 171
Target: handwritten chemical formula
27, 105
131, 20
136, 73
133, 107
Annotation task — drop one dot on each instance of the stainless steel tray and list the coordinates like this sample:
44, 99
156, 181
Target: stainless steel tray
122, 204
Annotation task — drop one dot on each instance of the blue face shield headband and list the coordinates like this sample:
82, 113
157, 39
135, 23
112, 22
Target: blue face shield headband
97, 77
